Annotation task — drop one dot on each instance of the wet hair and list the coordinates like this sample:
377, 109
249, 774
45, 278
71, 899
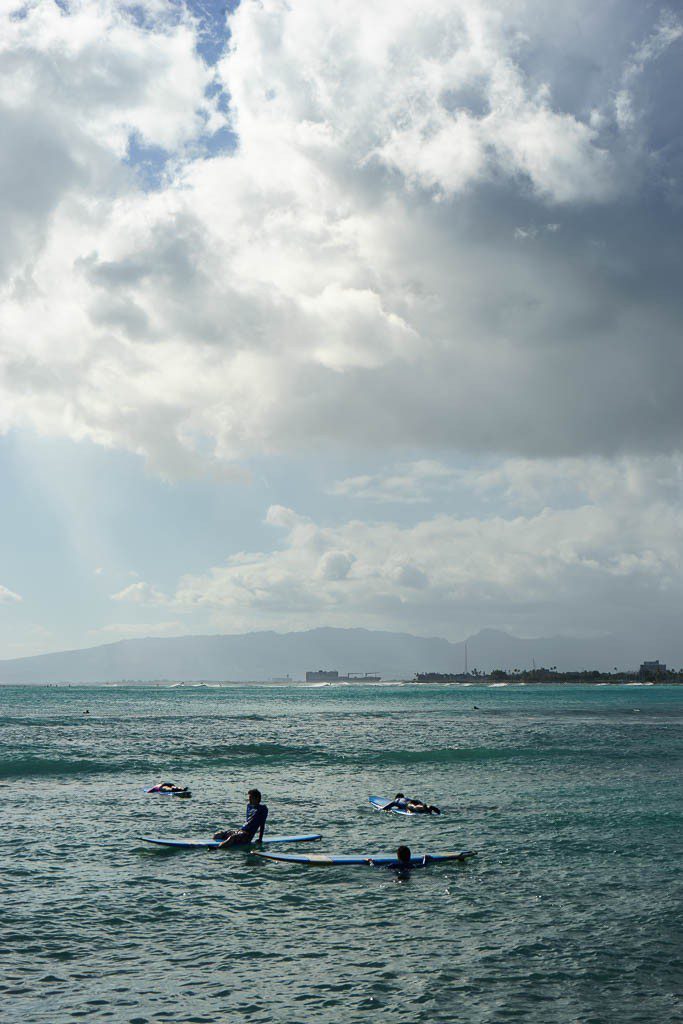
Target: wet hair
399, 796
403, 854
255, 793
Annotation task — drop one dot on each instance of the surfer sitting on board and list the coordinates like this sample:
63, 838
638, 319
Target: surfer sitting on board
255, 822
413, 805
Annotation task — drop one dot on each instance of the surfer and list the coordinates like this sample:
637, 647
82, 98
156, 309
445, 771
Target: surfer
403, 861
169, 787
413, 805
255, 822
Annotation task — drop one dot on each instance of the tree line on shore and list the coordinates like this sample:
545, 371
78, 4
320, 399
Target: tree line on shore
551, 675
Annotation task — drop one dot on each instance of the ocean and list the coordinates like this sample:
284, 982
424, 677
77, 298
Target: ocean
570, 912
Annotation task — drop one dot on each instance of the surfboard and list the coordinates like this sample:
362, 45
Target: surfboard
213, 844
378, 802
368, 859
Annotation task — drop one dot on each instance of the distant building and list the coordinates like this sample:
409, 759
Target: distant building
652, 668
321, 676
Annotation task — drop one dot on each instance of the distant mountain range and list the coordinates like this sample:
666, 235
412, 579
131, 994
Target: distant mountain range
268, 655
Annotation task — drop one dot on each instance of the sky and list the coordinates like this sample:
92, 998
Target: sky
321, 314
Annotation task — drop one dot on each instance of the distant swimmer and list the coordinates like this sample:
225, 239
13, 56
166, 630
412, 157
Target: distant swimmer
413, 805
255, 822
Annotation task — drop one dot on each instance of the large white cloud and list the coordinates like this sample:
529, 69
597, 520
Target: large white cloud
372, 264
574, 546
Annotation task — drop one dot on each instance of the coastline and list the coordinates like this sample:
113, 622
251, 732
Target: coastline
295, 684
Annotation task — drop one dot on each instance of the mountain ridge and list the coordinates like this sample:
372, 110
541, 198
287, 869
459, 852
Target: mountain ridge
264, 655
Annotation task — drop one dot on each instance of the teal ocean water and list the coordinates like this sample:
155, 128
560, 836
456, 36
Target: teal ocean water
569, 913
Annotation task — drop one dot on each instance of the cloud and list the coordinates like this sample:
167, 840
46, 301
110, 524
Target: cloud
581, 546
349, 272
8, 596
335, 565
141, 593
528, 483
36, 639
410, 483
131, 630
667, 31
599, 549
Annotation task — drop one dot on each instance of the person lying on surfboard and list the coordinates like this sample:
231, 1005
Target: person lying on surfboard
413, 805
255, 822
169, 787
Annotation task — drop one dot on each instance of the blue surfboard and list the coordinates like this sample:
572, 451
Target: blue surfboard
368, 859
213, 844
378, 802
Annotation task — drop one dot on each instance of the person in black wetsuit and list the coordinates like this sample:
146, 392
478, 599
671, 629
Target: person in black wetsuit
413, 805
255, 822
403, 864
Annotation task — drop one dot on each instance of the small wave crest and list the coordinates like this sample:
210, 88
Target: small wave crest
446, 755
44, 767
221, 753
183, 759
